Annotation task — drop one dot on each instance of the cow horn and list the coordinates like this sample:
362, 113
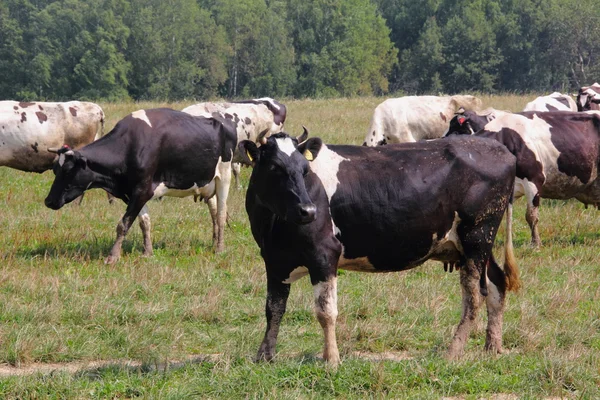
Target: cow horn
53, 149
304, 136
460, 111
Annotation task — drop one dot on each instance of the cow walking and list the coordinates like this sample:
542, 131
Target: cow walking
254, 120
314, 208
149, 154
27, 129
558, 154
414, 118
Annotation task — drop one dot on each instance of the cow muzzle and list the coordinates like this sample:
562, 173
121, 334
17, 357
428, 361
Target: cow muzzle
52, 204
306, 213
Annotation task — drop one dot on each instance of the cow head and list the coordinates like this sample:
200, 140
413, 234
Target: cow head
467, 122
72, 177
279, 168
588, 99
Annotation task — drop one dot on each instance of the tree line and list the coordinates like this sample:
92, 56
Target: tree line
199, 49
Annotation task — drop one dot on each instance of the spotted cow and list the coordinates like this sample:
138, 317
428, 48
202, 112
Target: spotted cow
150, 154
558, 154
413, 118
314, 208
553, 102
254, 120
588, 98
27, 129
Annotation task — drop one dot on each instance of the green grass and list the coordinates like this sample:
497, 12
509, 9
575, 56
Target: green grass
60, 303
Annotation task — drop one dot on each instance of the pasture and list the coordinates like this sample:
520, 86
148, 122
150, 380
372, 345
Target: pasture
186, 323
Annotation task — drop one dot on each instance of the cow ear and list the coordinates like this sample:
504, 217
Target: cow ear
248, 152
310, 148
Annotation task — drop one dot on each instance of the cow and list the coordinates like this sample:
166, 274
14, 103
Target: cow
553, 102
149, 154
588, 98
413, 118
254, 120
558, 154
27, 129
314, 208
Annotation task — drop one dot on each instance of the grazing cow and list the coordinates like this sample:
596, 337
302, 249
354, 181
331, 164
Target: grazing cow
413, 118
149, 154
254, 120
558, 154
553, 102
28, 129
588, 98
380, 210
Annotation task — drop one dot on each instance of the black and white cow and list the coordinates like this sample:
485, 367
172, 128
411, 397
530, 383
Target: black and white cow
553, 102
152, 153
380, 210
588, 98
558, 154
254, 120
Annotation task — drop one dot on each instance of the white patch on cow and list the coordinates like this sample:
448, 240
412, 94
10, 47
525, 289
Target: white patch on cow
446, 247
61, 159
268, 100
493, 298
203, 192
326, 165
286, 145
326, 297
296, 274
141, 114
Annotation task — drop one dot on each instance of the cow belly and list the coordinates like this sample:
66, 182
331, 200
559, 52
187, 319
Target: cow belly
204, 192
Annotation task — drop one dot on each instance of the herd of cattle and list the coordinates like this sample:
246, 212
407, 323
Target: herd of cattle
313, 207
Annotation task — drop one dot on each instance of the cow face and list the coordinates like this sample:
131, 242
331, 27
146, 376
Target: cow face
587, 100
72, 178
278, 175
459, 125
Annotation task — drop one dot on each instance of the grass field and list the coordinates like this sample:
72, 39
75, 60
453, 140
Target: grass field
186, 323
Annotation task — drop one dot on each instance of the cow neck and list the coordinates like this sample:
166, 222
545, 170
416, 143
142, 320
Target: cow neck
106, 161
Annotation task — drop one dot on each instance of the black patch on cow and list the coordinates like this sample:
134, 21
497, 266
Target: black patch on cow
247, 121
563, 101
551, 108
23, 117
373, 135
41, 117
536, 200
25, 104
73, 111
35, 147
443, 117
228, 116
15, 108
40, 107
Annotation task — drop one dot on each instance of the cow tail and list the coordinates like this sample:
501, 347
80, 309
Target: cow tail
511, 269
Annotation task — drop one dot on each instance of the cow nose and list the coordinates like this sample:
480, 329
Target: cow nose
50, 204
308, 212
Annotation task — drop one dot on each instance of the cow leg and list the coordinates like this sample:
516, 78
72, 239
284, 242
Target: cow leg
134, 207
326, 310
495, 309
531, 215
144, 221
222, 184
236, 169
469, 281
277, 295
212, 208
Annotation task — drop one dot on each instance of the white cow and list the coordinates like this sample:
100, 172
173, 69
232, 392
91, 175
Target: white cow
553, 102
413, 118
254, 120
28, 129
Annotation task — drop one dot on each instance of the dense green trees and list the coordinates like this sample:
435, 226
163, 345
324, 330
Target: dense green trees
176, 49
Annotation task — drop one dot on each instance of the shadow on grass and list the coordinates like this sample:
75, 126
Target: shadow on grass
95, 249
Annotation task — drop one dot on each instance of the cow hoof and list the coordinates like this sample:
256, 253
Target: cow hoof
148, 253
110, 260
263, 357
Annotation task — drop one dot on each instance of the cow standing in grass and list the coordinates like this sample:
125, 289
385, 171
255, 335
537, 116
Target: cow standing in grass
558, 154
254, 120
413, 118
27, 129
314, 208
150, 154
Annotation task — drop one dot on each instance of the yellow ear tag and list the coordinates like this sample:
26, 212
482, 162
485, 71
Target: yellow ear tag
308, 155
249, 156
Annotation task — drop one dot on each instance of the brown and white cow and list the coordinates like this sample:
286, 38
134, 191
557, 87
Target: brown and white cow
254, 120
413, 118
27, 129
588, 97
558, 154
553, 102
